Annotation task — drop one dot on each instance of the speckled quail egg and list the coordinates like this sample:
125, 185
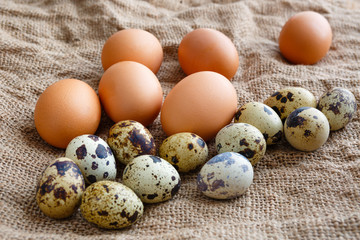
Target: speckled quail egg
93, 156
288, 99
306, 129
152, 178
129, 139
60, 188
339, 106
242, 138
263, 118
185, 151
225, 176
111, 205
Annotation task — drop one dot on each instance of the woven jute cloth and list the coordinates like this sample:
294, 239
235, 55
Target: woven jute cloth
295, 195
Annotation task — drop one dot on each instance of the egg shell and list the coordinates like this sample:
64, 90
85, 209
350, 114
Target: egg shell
286, 100
225, 176
263, 118
111, 205
93, 156
59, 191
132, 45
201, 103
242, 138
306, 129
185, 151
339, 106
129, 139
206, 49
153, 179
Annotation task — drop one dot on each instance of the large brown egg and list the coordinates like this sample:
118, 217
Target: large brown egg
65, 110
201, 103
133, 45
305, 38
130, 91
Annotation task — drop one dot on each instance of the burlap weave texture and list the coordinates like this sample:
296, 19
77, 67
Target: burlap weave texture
295, 195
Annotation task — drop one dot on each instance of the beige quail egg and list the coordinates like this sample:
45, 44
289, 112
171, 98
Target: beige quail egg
339, 106
288, 99
263, 118
93, 156
225, 176
60, 188
152, 178
242, 138
185, 151
306, 129
111, 205
129, 139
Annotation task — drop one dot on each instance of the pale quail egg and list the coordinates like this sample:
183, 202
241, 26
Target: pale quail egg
153, 179
111, 205
263, 118
185, 151
60, 188
129, 139
288, 99
93, 156
242, 138
339, 106
225, 176
306, 129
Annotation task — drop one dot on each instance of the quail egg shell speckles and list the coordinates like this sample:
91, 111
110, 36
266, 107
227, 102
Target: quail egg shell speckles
306, 129
129, 139
60, 188
185, 151
263, 118
225, 176
111, 205
339, 106
242, 138
93, 156
288, 99
152, 178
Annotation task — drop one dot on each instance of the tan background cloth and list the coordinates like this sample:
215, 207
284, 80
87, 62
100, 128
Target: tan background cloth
295, 195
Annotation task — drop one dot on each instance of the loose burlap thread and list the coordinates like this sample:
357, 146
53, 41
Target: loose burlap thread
295, 195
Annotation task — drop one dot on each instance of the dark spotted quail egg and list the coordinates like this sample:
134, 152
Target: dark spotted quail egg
242, 138
339, 106
185, 151
153, 179
263, 118
306, 129
111, 205
225, 176
129, 139
60, 188
93, 156
288, 99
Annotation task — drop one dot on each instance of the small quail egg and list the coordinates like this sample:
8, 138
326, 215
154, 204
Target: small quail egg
242, 138
306, 129
339, 106
111, 205
129, 139
288, 99
60, 188
263, 118
93, 156
225, 176
152, 178
185, 151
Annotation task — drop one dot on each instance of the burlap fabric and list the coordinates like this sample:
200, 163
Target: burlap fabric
295, 195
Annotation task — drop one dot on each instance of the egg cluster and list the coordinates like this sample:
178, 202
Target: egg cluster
200, 107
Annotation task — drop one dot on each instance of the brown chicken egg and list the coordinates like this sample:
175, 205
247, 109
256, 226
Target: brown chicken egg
65, 110
201, 103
